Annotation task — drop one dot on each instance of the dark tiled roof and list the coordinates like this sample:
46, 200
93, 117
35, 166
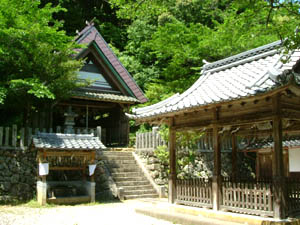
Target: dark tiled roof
67, 141
268, 143
90, 34
241, 76
82, 94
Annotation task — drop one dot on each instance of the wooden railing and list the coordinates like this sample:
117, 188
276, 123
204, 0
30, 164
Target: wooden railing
293, 193
246, 196
20, 138
149, 140
194, 192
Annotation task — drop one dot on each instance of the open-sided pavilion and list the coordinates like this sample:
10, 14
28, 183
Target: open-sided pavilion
238, 95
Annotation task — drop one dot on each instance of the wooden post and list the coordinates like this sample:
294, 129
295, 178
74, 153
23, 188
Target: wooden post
22, 138
137, 141
1, 136
14, 136
172, 161
234, 156
154, 135
142, 140
279, 189
216, 182
58, 129
29, 136
7, 136
87, 117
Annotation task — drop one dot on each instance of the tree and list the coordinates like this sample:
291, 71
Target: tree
36, 66
175, 36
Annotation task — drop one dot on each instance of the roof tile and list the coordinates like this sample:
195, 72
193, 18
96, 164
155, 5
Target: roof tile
239, 76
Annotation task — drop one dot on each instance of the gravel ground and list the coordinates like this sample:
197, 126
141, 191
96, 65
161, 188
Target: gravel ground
104, 214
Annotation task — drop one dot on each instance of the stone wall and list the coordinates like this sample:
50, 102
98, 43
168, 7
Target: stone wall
18, 169
193, 164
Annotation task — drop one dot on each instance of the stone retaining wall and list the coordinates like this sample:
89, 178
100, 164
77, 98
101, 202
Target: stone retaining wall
18, 169
194, 164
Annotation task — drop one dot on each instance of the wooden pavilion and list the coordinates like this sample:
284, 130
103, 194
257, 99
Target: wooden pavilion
237, 96
105, 101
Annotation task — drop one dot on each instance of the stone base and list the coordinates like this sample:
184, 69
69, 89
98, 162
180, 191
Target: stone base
44, 187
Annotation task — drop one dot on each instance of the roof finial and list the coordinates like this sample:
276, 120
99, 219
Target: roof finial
205, 62
91, 23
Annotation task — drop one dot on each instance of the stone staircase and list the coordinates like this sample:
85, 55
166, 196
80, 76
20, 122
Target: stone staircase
127, 175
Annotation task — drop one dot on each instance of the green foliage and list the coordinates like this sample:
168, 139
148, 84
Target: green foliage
173, 37
162, 154
35, 55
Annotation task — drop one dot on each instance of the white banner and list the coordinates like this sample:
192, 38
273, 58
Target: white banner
294, 160
43, 169
92, 169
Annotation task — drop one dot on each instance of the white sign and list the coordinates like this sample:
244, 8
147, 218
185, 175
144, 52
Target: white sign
294, 160
43, 169
92, 169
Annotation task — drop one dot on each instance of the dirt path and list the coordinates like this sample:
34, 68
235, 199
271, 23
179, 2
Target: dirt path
104, 214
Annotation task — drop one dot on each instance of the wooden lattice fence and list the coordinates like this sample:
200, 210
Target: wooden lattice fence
247, 196
293, 192
194, 192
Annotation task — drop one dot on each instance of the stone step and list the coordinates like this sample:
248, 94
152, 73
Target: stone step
141, 196
116, 154
139, 192
105, 157
129, 169
133, 182
120, 166
127, 174
130, 179
136, 188
120, 161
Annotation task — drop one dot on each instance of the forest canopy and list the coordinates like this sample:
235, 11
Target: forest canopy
162, 43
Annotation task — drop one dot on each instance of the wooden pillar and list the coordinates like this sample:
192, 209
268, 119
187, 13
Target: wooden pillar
216, 183
87, 117
279, 189
234, 156
172, 161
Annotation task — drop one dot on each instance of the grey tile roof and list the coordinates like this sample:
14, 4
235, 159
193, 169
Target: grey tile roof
243, 75
67, 141
92, 95
90, 34
268, 143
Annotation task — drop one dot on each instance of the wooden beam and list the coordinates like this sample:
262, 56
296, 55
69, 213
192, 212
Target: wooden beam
279, 202
232, 121
172, 161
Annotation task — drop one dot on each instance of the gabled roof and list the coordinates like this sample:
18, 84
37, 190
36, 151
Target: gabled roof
67, 141
90, 35
240, 76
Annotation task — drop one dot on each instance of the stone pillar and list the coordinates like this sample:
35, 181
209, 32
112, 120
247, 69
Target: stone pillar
90, 188
279, 187
172, 161
41, 190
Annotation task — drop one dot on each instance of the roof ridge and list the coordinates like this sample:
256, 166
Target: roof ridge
158, 104
131, 77
238, 57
